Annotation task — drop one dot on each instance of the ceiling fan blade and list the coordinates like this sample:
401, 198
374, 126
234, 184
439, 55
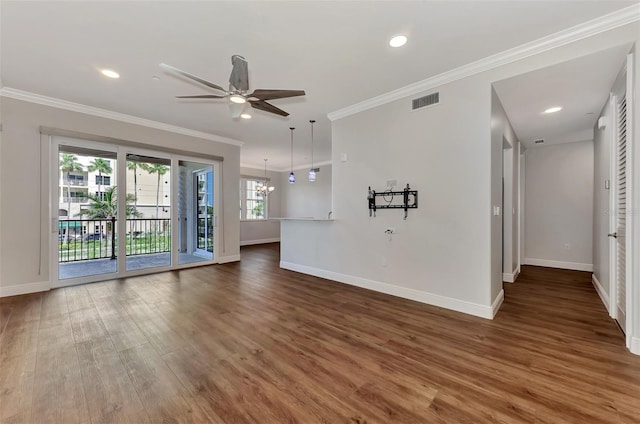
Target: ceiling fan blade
191, 76
275, 94
267, 107
202, 96
239, 77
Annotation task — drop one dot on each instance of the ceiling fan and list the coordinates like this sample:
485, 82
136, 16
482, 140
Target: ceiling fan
238, 92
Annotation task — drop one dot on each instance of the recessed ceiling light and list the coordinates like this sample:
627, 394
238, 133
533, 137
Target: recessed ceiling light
553, 109
109, 73
245, 116
236, 98
398, 40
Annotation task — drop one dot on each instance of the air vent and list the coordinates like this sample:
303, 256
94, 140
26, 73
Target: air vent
538, 141
428, 100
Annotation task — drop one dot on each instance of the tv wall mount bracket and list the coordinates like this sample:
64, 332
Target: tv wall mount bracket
385, 200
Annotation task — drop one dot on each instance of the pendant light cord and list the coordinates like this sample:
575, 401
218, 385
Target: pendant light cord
292, 128
312, 122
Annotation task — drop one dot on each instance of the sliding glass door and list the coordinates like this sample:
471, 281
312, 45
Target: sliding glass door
196, 212
119, 211
203, 185
85, 208
148, 210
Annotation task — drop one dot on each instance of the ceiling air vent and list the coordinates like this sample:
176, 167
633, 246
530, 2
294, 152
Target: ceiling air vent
428, 100
538, 141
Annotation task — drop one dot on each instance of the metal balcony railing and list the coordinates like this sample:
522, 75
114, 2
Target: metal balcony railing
76, 183
74, 200
87, 239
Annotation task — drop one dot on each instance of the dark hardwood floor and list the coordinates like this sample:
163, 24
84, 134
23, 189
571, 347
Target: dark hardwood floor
251, 343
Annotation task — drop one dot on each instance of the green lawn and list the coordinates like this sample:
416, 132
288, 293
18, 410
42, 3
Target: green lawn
96, 249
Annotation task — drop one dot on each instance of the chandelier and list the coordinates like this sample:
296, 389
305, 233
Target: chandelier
265, 189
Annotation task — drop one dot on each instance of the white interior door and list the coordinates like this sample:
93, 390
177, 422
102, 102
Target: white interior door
620, 234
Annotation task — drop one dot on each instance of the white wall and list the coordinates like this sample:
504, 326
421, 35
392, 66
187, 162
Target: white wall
449, 251
515, 212
440, 254
24, 196
601, 208
522, 216
263, 231
305, 198
559, 205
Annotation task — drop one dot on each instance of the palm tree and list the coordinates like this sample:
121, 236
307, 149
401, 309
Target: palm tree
106, 206
160, 170
68, 164
103, 166
134, 167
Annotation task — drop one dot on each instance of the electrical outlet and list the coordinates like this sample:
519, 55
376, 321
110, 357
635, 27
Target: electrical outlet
384, 262
567, 246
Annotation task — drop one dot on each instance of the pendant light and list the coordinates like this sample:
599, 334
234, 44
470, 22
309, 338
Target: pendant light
312, 171
265, 189
292, 176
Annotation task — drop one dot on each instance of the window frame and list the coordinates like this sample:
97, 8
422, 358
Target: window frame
244, 199
106, 180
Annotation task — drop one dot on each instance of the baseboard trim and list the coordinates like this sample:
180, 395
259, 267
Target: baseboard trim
600, 290
511, 278
635, 345
497, 303
470, 308
576, 266
260, 241
227, 259
19, 289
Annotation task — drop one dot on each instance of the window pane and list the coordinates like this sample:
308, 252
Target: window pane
252, 202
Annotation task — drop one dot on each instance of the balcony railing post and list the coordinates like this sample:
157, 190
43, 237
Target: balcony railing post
113, 237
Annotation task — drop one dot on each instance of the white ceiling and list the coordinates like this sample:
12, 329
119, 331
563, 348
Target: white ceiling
581, 87
336, 51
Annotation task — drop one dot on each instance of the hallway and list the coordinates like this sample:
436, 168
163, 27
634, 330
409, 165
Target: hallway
250, 342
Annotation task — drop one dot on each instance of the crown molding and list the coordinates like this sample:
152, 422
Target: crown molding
307, 166
258, 168
287, 169
578, 32
26, 96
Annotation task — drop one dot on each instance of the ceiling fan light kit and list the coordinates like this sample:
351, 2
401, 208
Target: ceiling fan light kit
237, 98
238, 92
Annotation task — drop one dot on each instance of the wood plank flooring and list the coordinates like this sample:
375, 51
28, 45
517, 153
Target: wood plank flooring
251, 343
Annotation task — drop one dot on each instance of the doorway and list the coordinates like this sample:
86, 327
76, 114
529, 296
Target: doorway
196, 212
620, 247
